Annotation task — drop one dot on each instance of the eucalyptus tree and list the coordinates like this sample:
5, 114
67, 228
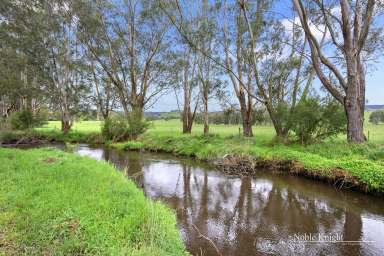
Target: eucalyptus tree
341, 68
240, 73
64, 64
208, 74
103, 96
277, 57
42, 37
22, 55
185, 80
128, 40
195, 22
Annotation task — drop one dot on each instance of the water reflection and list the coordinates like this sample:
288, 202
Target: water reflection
253, 216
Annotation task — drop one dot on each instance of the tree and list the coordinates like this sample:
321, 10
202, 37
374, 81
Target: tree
237, 63
353, 39
104, 96
276, 56
128, 40
65, 60
207, 72
186, 81
22, 54
194, 21
41, 36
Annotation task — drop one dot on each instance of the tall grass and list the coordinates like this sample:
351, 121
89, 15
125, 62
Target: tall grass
55, 203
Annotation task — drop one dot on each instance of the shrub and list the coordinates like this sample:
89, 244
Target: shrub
25, 119
315, 120
120, 129
136, 124
21, 120
115, 129
377, 117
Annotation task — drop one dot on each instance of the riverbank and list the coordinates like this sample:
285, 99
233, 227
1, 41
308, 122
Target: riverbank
36, 137
343, 165
52, 202
359, 167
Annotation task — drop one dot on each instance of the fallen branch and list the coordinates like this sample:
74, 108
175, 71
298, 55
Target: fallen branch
208, 239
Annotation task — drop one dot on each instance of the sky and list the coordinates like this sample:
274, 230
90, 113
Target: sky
375, 84
374, 77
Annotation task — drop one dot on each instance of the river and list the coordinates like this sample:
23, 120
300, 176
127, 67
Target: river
268, 214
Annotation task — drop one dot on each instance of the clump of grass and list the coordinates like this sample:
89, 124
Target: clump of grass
57, 203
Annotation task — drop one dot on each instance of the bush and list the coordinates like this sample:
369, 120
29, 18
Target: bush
120, 129
115, 129
376, 117
314, 120
25, 119
136, 124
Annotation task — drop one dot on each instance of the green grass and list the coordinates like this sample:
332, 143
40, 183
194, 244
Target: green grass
262, 133
55, 203
84, 126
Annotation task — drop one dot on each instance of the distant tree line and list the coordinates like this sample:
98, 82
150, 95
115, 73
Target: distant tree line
377, 117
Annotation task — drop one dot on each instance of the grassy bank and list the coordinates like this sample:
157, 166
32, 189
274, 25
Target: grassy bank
57, 203
364, 163
46, 136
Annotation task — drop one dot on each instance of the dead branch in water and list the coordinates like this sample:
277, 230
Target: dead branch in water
208, 239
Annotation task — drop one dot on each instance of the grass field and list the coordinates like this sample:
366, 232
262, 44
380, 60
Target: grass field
262, 133
56, 203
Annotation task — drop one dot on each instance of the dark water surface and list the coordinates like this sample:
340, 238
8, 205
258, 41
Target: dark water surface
263, 215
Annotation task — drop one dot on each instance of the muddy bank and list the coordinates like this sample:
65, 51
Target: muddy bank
26, 141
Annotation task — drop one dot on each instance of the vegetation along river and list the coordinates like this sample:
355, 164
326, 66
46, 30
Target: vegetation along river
266, 214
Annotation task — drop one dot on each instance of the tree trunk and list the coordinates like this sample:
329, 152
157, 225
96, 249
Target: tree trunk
65, 126
206, 115
247, 122
354, 103
66, 121
247, 128
187, 115
281, 133
246, 116
187, 125
355, 119
138, 112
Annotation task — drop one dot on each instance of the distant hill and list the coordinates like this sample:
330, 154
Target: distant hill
374, 107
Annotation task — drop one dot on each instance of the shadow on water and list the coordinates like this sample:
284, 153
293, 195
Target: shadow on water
262, 215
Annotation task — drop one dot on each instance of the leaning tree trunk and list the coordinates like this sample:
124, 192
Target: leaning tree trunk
281, 132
